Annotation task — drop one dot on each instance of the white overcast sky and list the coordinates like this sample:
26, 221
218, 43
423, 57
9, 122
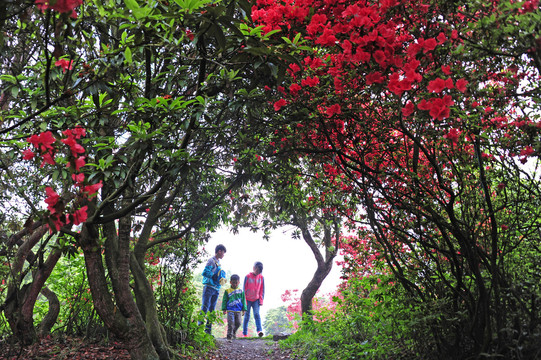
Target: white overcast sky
288, 264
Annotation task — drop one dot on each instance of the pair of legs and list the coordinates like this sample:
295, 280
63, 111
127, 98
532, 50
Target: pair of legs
233, 323
252, 305
210, 297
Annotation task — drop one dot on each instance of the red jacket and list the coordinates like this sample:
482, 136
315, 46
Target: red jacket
254, 287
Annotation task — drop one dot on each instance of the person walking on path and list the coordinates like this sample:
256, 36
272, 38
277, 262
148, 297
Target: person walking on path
254, 290
211, 283
234, 305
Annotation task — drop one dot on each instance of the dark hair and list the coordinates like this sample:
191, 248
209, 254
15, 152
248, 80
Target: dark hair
235, 277
259, 265
220, 247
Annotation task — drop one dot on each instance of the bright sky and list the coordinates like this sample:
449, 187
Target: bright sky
288, 264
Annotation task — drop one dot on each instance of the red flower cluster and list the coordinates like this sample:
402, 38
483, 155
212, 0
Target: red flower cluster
453, 135
64, 64
62, 6
46, 144
438, 107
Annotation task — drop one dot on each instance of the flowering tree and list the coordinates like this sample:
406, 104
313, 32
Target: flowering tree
427, 108
61, 213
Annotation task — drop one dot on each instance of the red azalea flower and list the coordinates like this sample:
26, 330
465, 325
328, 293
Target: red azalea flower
62, 6
408, 109
461, 85
78, 178
48, 158
28, 154
43, 141
310, 81
333, 109
294, 89
64, 64
75, 147
527, 151
327, 38
294, 68
80, 216
453, 135
436, 86
79, 163
91, 189
52, 198
57, 222
279, 104
446, 69
374, 77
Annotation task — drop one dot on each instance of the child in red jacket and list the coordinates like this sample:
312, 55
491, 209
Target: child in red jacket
254, 290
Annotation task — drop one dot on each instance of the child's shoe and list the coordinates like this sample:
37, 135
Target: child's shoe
260, 334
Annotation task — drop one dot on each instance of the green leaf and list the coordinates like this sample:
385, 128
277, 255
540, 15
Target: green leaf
132, 5
127, 55
9, 78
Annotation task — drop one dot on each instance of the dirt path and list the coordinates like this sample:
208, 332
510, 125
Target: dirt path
250, 349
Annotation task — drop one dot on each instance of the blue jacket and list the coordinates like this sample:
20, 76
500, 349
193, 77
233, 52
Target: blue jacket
213, 268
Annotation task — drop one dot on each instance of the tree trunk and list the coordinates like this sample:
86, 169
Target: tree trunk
324, 266
20, 300
144, 296
125, 322
52, 314
310, 291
